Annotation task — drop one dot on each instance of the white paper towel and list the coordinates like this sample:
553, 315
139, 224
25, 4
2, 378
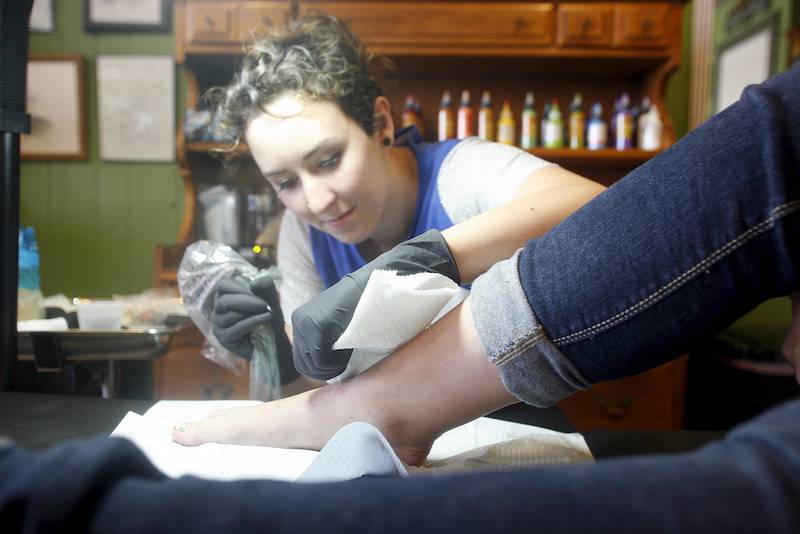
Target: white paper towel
392, 311
43, 325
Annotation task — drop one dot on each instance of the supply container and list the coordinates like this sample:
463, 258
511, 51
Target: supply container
99, 314
220, 214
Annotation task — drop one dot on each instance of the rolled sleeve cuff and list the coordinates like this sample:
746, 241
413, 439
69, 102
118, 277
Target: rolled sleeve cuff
531, 367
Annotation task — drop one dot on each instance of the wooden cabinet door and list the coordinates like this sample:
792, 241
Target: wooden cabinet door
654, 399
212, 22
585, 24
431, 27
642, 25
256, 18
183, 372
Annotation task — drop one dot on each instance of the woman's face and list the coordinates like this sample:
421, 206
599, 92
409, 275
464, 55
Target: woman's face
323, 166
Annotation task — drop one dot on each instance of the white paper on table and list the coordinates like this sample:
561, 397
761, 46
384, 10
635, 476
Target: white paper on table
358, 451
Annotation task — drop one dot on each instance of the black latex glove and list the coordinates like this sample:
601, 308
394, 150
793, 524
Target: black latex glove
238, 310
319, 323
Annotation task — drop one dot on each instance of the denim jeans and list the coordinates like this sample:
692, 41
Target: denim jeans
748, 482
682, 246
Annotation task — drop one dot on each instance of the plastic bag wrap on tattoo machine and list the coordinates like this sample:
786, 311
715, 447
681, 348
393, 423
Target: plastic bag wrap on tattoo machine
204, 264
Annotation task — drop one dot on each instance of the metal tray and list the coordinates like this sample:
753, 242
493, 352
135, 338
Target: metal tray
51, 350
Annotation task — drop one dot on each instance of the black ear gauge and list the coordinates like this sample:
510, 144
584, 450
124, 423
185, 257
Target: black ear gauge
387, 141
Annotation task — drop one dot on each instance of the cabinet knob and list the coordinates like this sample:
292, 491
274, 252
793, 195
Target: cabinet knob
266, 22
519, 24
586, 26
209, 20
614, 408
647, 25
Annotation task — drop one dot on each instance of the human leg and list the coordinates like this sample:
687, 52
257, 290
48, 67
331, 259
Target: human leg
437, 381
681, 247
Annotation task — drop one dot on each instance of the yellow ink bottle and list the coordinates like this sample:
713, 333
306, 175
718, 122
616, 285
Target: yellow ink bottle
577, 123
506, 128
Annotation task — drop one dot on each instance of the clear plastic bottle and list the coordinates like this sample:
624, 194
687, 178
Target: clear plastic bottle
464, 125
596, 130
486, 118
636, 112
411, 115
651, 130
446, 120
623, 124
553, 135
545, 120
528, 138
29, 296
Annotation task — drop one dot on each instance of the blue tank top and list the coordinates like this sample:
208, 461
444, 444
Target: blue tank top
335, 259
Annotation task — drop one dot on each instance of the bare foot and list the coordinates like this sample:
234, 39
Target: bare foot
304, 421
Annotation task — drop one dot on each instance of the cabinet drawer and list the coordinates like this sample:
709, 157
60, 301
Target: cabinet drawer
212, 22
185, 374
641, 25
417, 27
585, 24
257, 18
654, 399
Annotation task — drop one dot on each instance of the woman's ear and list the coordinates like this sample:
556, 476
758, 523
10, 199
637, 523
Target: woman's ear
384, 122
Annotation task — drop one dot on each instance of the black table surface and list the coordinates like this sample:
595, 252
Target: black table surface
37, 421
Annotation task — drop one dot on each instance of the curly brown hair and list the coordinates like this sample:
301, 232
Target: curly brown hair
317, 57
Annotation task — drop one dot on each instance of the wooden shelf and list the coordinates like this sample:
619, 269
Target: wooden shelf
594, 158
600, 158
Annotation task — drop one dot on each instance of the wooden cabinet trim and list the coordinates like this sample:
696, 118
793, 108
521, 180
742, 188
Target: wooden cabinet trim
585, 24
499, 29
257, 17
211, 22
645, 26
418, 25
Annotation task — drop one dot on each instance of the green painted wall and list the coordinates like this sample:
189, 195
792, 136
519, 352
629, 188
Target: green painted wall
677, 97
97, 223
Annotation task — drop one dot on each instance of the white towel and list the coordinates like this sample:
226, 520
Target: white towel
43, 325
392, 311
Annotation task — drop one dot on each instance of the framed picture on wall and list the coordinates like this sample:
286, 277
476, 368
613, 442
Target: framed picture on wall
136, 107
749, 59
42, 16
128, 15
55, 102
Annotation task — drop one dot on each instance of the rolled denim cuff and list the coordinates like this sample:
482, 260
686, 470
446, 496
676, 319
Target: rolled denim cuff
531, 367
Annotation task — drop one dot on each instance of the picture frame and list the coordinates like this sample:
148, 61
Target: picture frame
136, 107
42, 17
56, 104
748, 59
127, 15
